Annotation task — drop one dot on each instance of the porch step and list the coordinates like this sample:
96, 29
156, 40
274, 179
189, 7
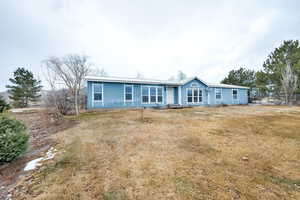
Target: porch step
174, 106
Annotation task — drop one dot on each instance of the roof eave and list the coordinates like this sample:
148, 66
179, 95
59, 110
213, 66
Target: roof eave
230, 87
131, 81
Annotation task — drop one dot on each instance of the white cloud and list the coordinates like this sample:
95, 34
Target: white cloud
156, 38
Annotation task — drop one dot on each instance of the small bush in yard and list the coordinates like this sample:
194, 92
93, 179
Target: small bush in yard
13, 139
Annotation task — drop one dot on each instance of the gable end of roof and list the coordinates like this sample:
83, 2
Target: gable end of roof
183, 82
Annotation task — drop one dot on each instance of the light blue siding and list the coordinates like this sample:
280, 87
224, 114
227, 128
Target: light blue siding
113, 95
227, 97
243, 97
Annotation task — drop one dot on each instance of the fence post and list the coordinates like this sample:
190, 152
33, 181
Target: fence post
142, 113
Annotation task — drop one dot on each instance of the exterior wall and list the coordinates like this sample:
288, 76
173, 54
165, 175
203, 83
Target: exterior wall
198, 84
113, 96
227, 96
243, 96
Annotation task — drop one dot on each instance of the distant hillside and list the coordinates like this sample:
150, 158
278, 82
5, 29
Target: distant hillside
5, 95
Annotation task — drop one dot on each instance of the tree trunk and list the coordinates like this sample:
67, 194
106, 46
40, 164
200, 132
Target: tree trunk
76, 102
26, 102
290, 99
142, 114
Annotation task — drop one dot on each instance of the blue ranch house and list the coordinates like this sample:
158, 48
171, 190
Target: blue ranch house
113, 92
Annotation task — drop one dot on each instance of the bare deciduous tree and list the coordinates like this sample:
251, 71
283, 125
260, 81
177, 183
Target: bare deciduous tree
181, 76
289, 81
139, 75
172, 78
52, 99
70, 71
98, 72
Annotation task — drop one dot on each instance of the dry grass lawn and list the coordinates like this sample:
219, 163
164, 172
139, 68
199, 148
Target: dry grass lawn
238, 152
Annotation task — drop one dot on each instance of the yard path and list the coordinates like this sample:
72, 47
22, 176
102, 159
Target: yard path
41, 126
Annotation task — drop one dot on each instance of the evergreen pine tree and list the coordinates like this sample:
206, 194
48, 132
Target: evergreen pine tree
25, 88
288, 52
242, 76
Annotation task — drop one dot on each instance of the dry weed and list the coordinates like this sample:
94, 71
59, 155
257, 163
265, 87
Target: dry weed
195, 153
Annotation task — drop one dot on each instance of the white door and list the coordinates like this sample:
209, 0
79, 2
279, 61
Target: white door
170, 94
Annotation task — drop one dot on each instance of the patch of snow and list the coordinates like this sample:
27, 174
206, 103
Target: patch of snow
33, 164
50, 154
20, 110
8, 197
16, 111
36, 162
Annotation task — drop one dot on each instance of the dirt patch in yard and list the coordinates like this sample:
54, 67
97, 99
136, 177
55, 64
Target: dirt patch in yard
234, 152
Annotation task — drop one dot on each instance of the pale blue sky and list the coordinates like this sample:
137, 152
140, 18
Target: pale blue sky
156, 38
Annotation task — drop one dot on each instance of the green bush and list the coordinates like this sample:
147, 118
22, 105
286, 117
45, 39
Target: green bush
13, 139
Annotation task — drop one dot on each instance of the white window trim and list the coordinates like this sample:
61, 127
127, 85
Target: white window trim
125, 93
97, 101
221, 94
199, 102
149, 96
237, 96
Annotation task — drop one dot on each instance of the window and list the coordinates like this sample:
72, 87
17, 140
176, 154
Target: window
235, 94
190, 95
159, 95
218, 93
200, 96
194, 95
97, 91
194, 85
145, 95
152, 94
128, 92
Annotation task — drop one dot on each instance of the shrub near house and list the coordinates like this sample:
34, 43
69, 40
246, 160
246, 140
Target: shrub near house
13, 139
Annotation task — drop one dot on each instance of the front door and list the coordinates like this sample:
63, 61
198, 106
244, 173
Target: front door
170, 94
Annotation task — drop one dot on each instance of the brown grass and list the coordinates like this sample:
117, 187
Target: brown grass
193, 153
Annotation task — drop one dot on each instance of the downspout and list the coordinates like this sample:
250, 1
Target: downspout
179, 95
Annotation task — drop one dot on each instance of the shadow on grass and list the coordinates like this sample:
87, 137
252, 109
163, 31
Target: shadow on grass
286, 183
115, 194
